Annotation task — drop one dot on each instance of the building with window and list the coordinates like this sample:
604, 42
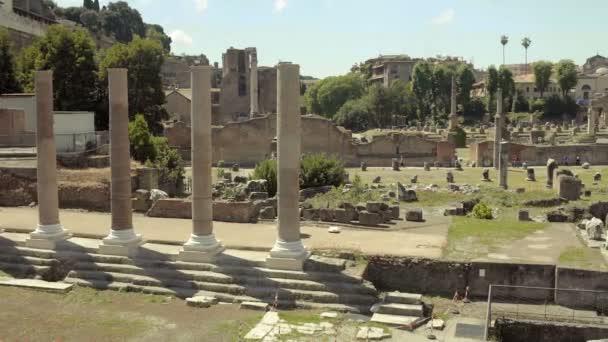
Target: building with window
388, 69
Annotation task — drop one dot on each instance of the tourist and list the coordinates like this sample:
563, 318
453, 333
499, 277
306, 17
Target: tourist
578, 161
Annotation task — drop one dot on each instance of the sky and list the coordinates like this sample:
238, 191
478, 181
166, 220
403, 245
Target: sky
326, 37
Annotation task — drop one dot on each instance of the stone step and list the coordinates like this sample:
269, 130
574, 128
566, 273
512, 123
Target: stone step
19, 270
397, 320
224, 264
401, 309
249, 290
37, 284
224, 297
403, 298
259, 280
27, 260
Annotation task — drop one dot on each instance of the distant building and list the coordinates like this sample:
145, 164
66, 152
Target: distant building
593, 63
388, 69
179, 101
526, 84
519, 69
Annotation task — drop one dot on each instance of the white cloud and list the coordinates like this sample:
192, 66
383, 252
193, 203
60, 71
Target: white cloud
445, 17
279, 5
180, 37
201, 5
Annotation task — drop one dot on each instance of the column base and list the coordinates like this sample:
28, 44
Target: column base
201, 248
121, 242
287, 256
47, 236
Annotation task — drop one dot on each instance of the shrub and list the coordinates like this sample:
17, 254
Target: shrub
315, 170
474, 110
168, 161
320, 170
354, 115
267, 170
461, 137
482, 211
537, 105
142, 147
521, 104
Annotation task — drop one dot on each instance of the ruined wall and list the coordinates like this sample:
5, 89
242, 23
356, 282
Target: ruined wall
12, 122
251, 141
179, 105
508, 330
267, 88
234, 99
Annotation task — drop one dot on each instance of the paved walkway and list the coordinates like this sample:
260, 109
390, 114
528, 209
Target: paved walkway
424, 240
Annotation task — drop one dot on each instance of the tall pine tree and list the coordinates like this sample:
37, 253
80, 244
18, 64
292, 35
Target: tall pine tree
8, 78
88, 4
96, 5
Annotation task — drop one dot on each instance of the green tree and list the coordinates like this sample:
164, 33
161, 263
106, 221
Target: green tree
90, 20
71, 13
492, 87
142, 146
441, 88
157, 33
422, 86
96, 5
8, 75
567, 76
542, 75
354, 115
70, 53
122, 21
507, 85
328, 95
464, 80
88, 4
143, 58
381, 104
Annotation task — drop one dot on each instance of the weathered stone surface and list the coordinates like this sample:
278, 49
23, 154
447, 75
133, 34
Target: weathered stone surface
256, 185
241, 212
394, 211
427, 167
256, 196
312, 192
405, 194
369, 219
586, 165
597, 177
373, 207
403, 298
344, 215
38, 285
530, 176
363, 166
551, 166
545, 202
310, 214
568, 187
386, 215
371, 334
594, 228
256, 306
485, 175
556, 216
393, 319
377, 180
523, 215
267, 213
201, 301
326, 214
449, 176
240, 179
414, 215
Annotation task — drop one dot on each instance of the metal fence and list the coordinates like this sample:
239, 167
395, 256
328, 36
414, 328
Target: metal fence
65, 143
546, 304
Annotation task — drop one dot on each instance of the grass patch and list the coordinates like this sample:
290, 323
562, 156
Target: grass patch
4, 275
301, 317
583, 257
469, 237
234, 331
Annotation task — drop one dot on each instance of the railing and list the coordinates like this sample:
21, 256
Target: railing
546, 304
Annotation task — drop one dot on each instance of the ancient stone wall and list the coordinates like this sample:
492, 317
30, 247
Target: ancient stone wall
526, 331
251, 141
267, 85
241, 212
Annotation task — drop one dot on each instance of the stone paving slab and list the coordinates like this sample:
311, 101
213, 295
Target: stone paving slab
38, 285
393, 319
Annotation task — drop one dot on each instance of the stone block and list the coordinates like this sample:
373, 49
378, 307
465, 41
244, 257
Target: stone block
568, 187
257, 196
267, 213
556, 216
254, 306
326, 215
386, 215
201, 301
523, 215
344, 215
310, 214
395, 212
373, 207
285, 264
414, 215
369, 219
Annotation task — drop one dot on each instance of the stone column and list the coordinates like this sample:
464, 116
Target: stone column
122, 239
202, 245
504, 163
49, 230
497, 127
288, 251
254, 83
453, 117
592, 122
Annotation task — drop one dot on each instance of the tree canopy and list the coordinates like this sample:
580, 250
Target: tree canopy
567, 76
328, 95
8, 75
542, 75
422, 86
122, 21
70, 53
143, 58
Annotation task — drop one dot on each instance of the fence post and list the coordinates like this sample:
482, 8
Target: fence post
486, 333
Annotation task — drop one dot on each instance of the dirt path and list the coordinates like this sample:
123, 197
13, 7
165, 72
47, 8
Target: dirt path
421, 240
